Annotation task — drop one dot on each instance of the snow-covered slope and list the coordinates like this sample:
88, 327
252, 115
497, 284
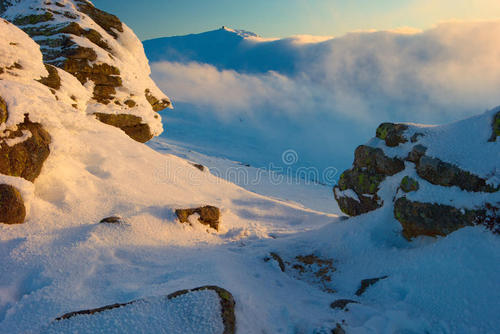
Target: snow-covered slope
283, 263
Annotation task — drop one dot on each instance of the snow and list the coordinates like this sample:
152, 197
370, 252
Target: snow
62, 260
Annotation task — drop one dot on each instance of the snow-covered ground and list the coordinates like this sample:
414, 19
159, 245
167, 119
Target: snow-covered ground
62, 259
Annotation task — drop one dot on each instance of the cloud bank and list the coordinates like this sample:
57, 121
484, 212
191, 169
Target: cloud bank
342, 88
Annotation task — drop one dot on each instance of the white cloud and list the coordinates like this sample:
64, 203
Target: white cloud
343, 87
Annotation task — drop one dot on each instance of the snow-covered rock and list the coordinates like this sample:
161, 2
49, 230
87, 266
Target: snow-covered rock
439, 178
102, 53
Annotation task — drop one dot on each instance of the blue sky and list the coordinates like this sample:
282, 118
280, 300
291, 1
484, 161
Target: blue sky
281, 18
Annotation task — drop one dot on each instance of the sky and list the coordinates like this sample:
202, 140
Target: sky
282, 18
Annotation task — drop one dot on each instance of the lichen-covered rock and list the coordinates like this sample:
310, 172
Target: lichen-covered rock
209, 215
392, 134
371, 166
431, 219
445, 174
26, 157
12, 210
130, 124
409, 184
496, 127
101, 52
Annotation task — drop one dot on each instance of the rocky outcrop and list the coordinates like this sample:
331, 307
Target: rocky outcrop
209, 215
12, 210
227, 307
431, 219
103, 54
370, 168
358, 188
130, 124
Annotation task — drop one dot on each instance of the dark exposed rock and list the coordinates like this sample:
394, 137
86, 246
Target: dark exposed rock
33, 19
200, 167
108, 22
431, 219
25, 159
366, 283
393, 134
375, 160
130, 103
12, 210
414, 138
52, 80
409, 184
226, 301
278, 259
130, 124
370, 168
342, 303
112, 220
496, 127
157, 105
416, 153
3, 111
209, 215
445, 174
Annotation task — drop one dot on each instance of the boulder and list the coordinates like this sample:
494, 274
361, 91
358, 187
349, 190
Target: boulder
130, 124
370, 168
392, 134
431, 219
209, 215
409, 184
12, 210
445, 174
25, 159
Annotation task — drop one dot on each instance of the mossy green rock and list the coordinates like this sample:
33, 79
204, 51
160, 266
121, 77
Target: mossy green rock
392, 134
371, 166
12, 210
409, 184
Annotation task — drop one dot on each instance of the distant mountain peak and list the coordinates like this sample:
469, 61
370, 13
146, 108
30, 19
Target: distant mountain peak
239, 32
